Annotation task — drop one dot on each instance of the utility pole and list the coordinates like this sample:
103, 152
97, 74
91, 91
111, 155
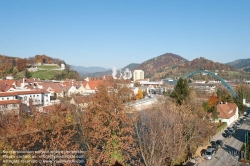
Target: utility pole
245, 144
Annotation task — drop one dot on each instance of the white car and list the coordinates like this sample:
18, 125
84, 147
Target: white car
209, 153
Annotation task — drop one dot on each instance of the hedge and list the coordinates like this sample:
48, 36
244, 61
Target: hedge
221, 127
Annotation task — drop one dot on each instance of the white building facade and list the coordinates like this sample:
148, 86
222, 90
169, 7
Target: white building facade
138, 75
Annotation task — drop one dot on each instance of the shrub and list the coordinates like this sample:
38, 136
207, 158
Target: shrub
221, 127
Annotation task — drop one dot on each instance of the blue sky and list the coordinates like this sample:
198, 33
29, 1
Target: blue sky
119, 32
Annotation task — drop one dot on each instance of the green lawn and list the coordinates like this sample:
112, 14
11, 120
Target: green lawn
45, 74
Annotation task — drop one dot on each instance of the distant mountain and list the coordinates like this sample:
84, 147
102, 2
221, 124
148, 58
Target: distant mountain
98, 74
157, 67
131, 66
106, 72
87, 70
243, 64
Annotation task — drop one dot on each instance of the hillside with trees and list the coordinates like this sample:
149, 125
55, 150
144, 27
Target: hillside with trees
242, 64
171, 65
205, 64
19, 67
131, 66
157, 67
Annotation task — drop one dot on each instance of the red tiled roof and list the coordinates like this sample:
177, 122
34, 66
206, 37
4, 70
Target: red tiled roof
21, 92
226, 110
94, 84
8, 82
3, 102
53, 85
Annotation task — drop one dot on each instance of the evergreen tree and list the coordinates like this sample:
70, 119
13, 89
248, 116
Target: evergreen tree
224, 95
28, 74
181, 91
214, 112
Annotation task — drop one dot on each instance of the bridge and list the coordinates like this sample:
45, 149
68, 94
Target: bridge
215, 76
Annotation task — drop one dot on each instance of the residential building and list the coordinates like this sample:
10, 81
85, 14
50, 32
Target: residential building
227, 112
37, 97
138, 75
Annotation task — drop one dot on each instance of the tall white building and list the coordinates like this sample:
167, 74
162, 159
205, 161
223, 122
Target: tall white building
138, 75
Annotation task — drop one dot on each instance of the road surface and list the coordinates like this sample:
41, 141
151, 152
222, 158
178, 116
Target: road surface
229, 153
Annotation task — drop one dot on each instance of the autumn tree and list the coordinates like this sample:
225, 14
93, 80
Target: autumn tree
181, 91
107, 129
139, 95
21, 64
241, 91
125, 94
167, 132
244, 91
40, 132
213, 101
212, 105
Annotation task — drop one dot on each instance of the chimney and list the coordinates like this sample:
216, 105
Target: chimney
244, 101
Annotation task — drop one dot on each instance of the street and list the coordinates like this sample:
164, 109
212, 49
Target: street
229, 153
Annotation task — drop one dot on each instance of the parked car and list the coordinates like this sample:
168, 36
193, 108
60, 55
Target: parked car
214, 146
234, 127
219, 143
227, 134
237, 125
240, 121
247, 115
209, 153
231, 130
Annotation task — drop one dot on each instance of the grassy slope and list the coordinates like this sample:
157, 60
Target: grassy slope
45, 74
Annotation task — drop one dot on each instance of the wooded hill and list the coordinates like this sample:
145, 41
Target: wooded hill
242, 64
171, 65
18, 67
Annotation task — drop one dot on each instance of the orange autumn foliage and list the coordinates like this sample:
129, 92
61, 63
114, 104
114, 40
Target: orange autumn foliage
213, 100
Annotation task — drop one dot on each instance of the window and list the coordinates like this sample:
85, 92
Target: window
25, 98
7, 98
34, 95
37, 95
2, 98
